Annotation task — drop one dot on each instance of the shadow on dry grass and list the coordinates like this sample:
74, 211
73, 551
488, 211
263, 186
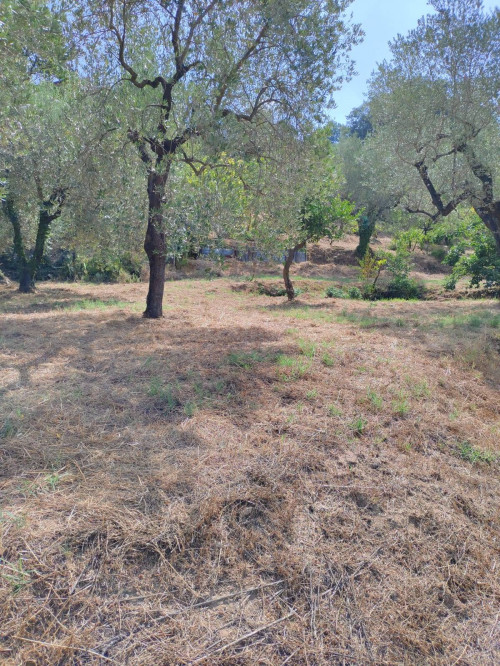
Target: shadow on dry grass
12, 302
217, 488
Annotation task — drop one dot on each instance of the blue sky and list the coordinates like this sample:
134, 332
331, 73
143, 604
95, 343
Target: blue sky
382, 20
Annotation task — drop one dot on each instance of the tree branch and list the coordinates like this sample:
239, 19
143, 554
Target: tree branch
239, 64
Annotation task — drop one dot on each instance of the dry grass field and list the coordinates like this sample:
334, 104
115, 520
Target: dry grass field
247, 481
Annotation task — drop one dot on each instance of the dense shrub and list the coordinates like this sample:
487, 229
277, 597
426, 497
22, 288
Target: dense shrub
132, 264
482, 267
403, 287
354, 292
335, 292
103, 269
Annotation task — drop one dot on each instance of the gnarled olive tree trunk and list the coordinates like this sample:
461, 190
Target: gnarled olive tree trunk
155, 245
490, 216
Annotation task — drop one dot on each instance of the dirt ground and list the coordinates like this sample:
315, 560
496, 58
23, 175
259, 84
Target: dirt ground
247, 481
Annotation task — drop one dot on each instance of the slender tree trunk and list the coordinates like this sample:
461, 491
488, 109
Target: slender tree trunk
28, 271
366, 227
155, 245
290, 291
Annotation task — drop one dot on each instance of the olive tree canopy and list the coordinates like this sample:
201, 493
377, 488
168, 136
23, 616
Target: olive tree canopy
434, 109
213, 75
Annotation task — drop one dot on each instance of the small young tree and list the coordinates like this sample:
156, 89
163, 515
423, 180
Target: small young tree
321, 216
205, 68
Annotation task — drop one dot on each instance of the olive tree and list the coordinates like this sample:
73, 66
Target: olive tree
210, 75
32, 50
434, 109
49, 164
361, 166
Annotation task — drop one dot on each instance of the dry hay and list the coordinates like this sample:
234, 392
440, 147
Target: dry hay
246, 482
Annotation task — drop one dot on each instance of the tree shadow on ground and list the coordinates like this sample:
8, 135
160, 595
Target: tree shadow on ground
13, 302
109, 377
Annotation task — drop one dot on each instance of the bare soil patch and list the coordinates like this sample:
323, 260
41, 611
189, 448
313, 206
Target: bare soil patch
247, 481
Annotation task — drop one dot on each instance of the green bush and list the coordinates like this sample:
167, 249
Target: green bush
103, 269
482, 266
335, 292
450, 282
409, 240
398, 264
132, 264
453, 255
354, 292
73, 269
403, 287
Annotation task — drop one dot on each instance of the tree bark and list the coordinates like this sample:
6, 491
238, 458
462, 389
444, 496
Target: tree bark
366, 227
290, 291
490, 215
29, 269
155, 245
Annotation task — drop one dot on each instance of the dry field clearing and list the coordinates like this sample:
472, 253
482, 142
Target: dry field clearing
246, 481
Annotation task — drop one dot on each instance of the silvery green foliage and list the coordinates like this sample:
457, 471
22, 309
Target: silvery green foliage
57, 135
361, 163
53, 140
213, 76
434, 108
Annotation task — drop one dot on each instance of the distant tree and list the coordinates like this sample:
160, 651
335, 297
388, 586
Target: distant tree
214, 75
49, 164
321, 216
434, 109
360, 167
359, 121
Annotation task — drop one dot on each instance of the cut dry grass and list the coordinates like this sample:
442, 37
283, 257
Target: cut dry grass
226, 486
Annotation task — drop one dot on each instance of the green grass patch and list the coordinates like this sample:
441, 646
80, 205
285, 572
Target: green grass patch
247, 360
374, 399
291, 368
164, 394
333, 410
473, 454
97, 304
307, 348
472, 321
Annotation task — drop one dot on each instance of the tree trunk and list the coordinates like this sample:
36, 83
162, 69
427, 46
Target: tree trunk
28, 267
26, 280
155, 245
490, 215
366, 227
290, 291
